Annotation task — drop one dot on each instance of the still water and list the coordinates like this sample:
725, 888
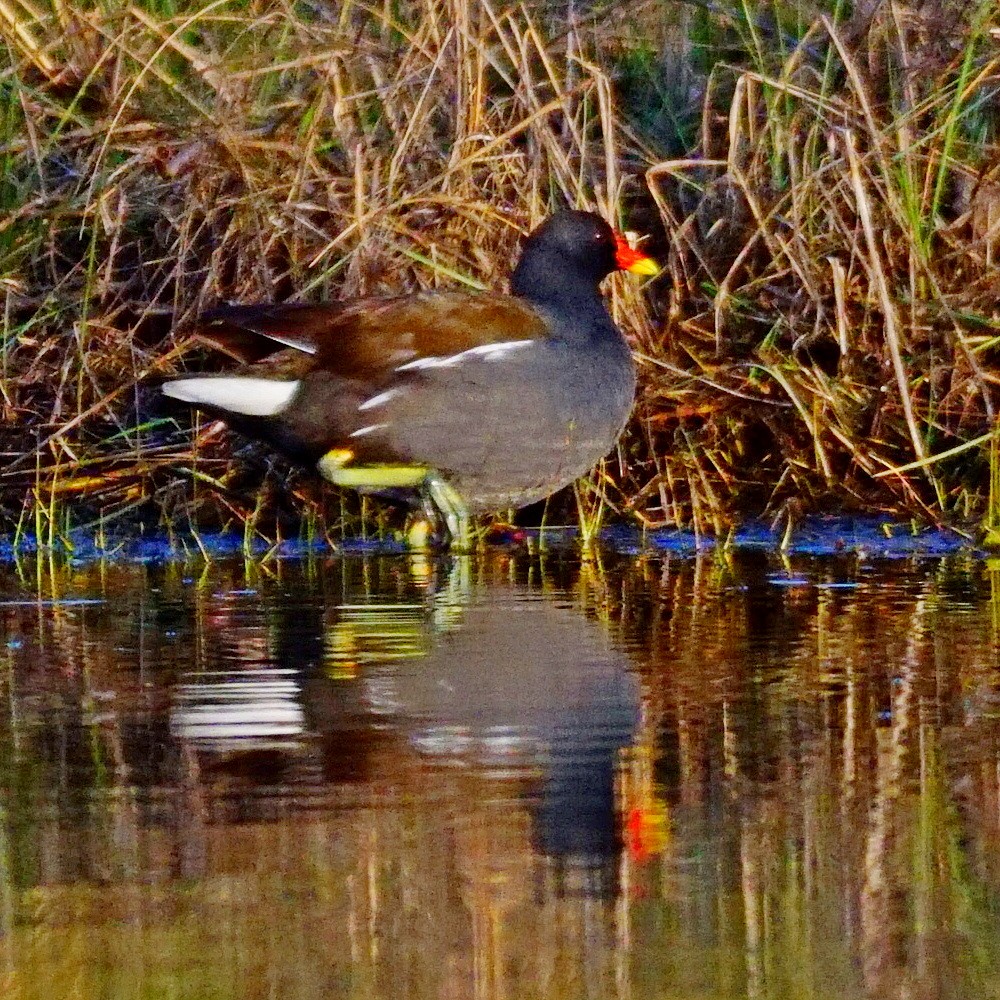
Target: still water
505, 777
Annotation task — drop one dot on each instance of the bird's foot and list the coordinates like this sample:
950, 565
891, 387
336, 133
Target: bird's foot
446, 501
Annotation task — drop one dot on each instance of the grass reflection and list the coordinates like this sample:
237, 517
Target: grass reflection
501, 778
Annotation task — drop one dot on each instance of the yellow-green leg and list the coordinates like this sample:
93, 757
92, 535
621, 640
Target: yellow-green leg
440, 500
447, 501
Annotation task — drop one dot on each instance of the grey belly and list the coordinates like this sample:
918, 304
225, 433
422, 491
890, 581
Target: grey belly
507, 443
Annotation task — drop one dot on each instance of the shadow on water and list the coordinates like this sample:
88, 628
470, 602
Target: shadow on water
384, 777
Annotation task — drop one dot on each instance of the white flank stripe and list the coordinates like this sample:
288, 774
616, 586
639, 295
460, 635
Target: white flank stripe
370, 429
382, 397
488, 352
249, 397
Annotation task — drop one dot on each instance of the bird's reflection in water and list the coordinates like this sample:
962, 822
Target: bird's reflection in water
507, 688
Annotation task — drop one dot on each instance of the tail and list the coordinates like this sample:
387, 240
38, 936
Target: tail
236, 394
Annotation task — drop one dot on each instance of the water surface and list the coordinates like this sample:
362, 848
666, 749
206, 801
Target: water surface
735, 776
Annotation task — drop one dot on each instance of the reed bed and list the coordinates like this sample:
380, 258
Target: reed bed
820, 186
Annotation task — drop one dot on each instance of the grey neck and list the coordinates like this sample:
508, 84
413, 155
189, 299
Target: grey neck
573, 303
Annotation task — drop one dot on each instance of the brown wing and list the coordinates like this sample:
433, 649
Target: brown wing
366, 339
249, 333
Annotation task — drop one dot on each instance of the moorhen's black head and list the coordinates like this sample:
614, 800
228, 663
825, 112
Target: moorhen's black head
571, 252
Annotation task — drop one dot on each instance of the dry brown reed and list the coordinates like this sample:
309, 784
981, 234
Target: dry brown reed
827, 315
833, 315
164, 163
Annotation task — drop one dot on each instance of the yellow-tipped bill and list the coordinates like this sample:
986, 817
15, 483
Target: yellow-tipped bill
632, 260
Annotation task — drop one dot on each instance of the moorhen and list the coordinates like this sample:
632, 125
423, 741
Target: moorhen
476, 401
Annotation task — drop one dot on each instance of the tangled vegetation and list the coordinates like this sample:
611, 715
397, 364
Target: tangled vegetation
819, 178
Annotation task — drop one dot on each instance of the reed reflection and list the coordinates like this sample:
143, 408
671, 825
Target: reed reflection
735, 777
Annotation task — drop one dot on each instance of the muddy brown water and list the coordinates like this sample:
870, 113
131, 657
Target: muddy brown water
507, 777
